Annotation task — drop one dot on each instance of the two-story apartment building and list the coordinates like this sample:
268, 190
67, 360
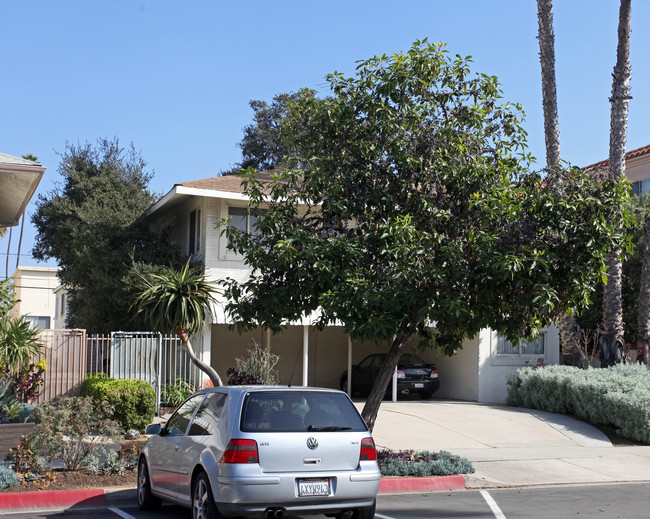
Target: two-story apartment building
189, 214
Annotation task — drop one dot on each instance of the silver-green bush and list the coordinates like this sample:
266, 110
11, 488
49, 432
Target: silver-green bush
8, 478
617, 396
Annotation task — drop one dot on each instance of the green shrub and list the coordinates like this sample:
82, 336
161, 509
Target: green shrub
617, 396
8, 478
133, 401
421, 463
260, 364
173, 395
73, 429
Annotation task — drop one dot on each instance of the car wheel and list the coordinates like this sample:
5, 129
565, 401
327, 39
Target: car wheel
146, 500
425, 395
365, 513
203, 506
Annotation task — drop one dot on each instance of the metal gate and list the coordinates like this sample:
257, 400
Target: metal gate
153, 357
136, 355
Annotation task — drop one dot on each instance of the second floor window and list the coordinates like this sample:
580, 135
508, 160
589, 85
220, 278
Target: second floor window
244, 220
641, 187
195, 232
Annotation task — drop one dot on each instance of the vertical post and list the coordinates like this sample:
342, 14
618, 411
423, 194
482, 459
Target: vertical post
349, 366
206, 348
395, 385
305, 354
159, 351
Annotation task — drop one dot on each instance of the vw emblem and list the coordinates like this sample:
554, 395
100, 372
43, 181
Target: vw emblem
312, 443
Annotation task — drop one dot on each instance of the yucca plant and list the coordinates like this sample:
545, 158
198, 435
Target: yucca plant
19, 342
179, 300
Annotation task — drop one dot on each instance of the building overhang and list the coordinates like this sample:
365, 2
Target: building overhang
19, 179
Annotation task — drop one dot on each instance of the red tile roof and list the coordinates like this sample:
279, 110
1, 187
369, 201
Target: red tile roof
629, 155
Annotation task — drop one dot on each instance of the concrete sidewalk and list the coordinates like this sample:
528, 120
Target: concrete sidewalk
510, 446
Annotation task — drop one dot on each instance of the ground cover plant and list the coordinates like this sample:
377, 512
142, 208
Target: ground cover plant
618, 396
421, 463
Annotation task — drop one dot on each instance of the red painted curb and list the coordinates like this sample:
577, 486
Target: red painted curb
97, 496
389, 485
52, 498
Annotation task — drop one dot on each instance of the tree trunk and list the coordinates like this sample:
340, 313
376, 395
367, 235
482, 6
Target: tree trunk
569, 333
643, 328
546, 38
208, 370
612, 299
384, 376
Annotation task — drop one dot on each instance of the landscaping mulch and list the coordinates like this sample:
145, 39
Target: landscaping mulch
75, 480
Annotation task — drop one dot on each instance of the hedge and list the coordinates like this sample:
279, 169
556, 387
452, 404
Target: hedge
133, 401
618, 396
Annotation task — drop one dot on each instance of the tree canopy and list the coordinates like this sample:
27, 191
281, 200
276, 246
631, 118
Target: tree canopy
262, 147
93, 225
407, 210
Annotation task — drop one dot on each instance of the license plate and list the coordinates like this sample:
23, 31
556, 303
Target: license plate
417, 386
314, 487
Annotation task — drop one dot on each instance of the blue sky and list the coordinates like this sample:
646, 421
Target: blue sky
175, 78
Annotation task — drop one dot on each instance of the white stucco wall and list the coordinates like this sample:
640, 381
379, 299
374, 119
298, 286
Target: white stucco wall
34, 286
494, 370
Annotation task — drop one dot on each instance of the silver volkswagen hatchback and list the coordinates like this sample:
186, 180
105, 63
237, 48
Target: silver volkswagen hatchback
262, 451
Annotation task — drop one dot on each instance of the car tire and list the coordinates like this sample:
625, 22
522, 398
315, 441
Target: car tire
146, 500
365, 513
203, 505
426, 395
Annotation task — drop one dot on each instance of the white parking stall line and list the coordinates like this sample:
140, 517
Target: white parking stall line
121, 513
493, 505
380, 516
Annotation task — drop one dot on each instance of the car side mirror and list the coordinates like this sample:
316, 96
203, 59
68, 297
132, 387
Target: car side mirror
153, 429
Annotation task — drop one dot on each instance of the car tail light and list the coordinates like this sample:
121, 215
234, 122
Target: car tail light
240, 451
434, 374
368, 451
400, 374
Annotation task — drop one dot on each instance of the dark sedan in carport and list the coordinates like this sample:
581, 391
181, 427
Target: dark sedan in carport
413, 375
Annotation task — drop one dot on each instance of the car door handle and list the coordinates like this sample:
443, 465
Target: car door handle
312, 461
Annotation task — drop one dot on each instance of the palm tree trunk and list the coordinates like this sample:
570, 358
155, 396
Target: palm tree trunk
612, 298
384, 376
569, 333
643, 328
208, 370
546, 37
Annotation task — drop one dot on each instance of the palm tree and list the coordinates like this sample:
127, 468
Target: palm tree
19, 342
569, 334
179, 300
643, 325
612, 297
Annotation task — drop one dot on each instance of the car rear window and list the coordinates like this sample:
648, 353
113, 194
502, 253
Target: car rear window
299, 411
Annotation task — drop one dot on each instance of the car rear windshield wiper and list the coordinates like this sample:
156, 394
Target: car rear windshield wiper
328, 428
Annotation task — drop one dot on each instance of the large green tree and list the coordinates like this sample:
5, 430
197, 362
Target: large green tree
261, 146
407, 211
93, 225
